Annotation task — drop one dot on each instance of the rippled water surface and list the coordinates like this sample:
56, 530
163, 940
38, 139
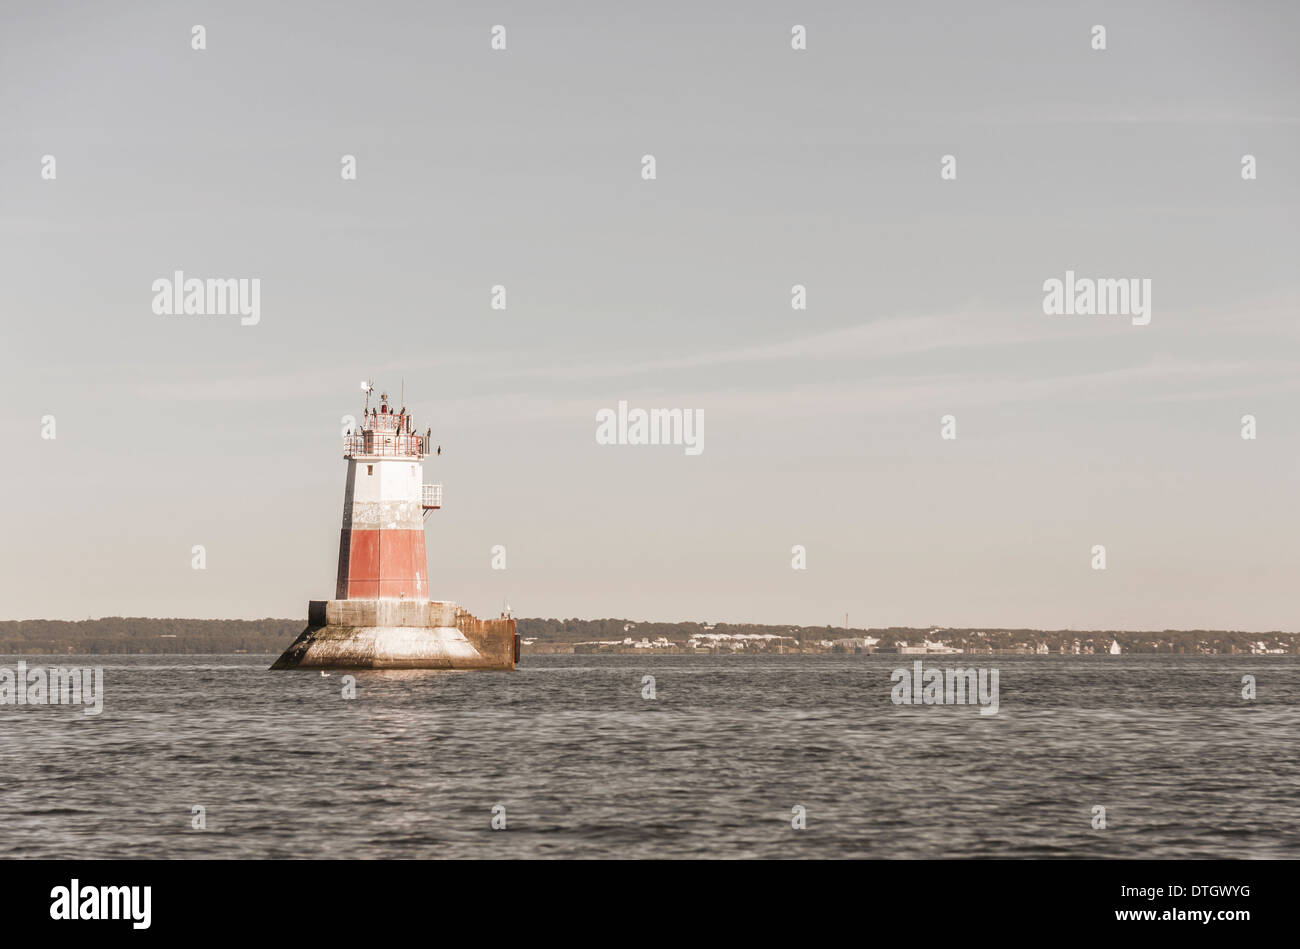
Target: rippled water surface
586, 767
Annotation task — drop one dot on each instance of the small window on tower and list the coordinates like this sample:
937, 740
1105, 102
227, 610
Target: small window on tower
370, 469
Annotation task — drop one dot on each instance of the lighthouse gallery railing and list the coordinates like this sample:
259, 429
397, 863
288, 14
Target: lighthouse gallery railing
385, 445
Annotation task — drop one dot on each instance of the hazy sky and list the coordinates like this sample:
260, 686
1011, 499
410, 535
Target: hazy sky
775, 167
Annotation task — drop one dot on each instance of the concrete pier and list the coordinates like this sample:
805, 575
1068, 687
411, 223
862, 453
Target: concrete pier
399, 634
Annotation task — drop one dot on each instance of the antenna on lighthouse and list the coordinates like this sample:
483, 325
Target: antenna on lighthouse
367, 388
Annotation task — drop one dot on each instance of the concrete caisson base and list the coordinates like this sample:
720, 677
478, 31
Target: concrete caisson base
399, 634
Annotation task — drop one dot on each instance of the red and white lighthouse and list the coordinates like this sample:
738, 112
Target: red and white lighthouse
381, 546
381, 616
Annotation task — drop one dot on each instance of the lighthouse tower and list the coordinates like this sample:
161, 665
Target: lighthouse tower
381, 546
381, 616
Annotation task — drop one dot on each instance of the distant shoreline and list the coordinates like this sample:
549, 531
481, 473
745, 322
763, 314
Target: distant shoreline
118, 635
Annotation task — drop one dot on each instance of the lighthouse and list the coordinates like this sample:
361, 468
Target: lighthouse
385, 502
381, 616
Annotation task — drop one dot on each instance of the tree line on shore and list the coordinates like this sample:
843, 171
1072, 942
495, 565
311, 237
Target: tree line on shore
134, 634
